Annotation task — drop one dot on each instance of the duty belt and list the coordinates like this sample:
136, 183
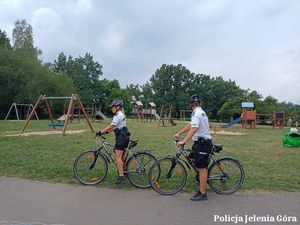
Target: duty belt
203, 140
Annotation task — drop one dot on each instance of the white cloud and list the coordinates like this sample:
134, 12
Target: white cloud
112, 39
255, 43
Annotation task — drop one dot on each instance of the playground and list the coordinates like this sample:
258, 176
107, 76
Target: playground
268, 164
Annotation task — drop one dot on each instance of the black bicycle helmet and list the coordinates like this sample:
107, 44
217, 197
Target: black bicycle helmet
117, 102
194, 98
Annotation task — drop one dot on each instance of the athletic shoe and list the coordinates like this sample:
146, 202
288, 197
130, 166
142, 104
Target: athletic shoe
199, 196
120, 180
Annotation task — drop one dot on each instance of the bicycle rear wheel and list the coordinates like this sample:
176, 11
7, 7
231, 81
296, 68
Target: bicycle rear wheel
90, 167
167, 176
137, 168
226, 176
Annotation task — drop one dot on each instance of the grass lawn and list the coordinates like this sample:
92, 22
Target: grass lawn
268, 165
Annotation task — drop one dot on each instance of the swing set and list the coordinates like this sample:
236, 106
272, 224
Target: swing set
20, 110
66, 117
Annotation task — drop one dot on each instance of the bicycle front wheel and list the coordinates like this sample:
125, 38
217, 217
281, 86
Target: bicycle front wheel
226, 176
167, 176
137, 169
90, 167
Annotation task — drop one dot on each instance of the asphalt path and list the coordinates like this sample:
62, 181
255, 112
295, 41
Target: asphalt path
29, 202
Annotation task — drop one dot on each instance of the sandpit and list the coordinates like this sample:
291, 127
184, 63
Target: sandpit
223, 132
45, 133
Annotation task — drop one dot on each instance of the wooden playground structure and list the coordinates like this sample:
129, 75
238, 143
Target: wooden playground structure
166, 118
278, 119
65, 118
250, 117
183, 113
143, 114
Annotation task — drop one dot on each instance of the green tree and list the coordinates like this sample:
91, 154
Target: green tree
107, 91
4, 40
84, 72
23, 39
215, 92
134, 90
147, 92
171, 85
231, 109
23, 79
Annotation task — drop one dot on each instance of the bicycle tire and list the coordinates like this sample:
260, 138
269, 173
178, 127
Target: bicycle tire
87, 174
138, 167
164, 182
225, 176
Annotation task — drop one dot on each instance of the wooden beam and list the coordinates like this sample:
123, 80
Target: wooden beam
85, 115
31, 113
49, 111
68, 114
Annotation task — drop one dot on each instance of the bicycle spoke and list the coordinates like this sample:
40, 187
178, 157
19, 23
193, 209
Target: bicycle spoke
226, 176
90, 168
137, 170
167, 177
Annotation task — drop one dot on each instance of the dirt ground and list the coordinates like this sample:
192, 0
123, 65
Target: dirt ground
46, 133
223, 132
58, 132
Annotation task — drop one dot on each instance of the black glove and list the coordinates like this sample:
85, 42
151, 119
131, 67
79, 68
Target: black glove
99, 133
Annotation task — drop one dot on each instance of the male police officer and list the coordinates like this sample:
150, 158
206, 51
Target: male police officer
198, 130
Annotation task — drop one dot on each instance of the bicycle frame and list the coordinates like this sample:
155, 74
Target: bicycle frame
110, 154
188, 162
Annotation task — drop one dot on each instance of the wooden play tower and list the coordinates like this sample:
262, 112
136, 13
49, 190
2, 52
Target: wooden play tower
248, 116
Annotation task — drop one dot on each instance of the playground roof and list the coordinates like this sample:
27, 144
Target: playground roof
247, 105
138, 103
152, 104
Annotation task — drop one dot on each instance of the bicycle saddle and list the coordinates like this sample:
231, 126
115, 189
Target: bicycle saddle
217, 148
133, 143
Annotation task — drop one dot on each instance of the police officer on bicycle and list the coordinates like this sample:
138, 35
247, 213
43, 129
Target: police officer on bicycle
198, 130
118, 125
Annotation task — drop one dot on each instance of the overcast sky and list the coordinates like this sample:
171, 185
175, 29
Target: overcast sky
255, 43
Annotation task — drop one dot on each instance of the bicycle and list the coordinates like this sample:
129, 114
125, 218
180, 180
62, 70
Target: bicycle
91, 167
168, 175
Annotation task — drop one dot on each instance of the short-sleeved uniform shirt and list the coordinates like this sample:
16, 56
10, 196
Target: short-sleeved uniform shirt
201, 149
119, 121
200, 120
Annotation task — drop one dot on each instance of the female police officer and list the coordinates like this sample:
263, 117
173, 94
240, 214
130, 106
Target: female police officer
198, 130
118, 125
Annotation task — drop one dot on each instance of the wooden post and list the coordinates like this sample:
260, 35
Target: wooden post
50, 112
84, 113
31, 114
161, 119
68, 114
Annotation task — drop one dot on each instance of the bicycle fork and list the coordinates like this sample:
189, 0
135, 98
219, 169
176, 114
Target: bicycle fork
171, 170
95, 160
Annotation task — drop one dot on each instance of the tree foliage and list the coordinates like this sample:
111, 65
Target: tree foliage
4, 40
84, 72
23, 77
23, 39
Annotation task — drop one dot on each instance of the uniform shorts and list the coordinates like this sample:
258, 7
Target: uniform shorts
201, 151
122, 142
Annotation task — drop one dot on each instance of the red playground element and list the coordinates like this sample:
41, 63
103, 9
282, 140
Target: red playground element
248, 115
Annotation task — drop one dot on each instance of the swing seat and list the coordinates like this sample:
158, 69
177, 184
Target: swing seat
55, 124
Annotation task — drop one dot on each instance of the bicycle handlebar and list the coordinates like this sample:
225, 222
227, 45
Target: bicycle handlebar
99, 134
176, 140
